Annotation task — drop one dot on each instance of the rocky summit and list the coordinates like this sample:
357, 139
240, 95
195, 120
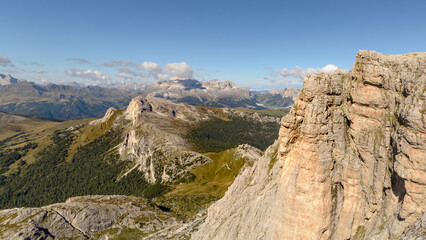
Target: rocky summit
349, 163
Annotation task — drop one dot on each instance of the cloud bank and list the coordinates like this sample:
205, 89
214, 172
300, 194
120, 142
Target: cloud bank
180, 70
300, 73
133, 71
88, 74
294, 76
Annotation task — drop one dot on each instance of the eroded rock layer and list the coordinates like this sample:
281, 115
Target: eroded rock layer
351, 160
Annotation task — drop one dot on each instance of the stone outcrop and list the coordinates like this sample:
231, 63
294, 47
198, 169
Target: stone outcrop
351, 160
154, 139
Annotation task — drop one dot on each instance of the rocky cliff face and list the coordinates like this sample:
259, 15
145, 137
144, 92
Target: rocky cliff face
351, 161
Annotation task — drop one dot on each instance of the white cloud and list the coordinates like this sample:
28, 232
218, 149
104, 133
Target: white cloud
4, 61
88, 74
162, 76
300, 73
153, 69
150, 67
181, 70
292, 77
329, 68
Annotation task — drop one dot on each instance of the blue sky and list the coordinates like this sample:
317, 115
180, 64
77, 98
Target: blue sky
256, 44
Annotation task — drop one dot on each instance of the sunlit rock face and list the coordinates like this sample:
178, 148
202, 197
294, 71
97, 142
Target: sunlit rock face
351, 160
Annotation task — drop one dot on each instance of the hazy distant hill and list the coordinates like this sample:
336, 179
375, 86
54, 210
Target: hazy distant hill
277, 98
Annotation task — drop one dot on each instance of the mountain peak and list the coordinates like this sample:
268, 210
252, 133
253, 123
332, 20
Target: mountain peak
7, 79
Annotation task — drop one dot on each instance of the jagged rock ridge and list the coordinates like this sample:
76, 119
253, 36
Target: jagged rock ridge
351, 160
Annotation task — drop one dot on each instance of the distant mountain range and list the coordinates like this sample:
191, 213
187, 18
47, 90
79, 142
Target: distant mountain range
59, 101
67, 102
216, 93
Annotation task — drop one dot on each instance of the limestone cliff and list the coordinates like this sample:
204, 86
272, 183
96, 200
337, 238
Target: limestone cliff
351, 161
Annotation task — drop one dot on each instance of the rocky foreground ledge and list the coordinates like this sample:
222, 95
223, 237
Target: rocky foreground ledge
95, 217
352, 161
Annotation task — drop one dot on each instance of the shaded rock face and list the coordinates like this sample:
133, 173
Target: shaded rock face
416, 231
351, 160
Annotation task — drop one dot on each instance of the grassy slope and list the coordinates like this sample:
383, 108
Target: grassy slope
215, 177
210, 184
34, 131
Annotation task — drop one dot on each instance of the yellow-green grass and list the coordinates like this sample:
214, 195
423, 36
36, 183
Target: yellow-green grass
128, 233
26, 126
89, 133
212, 178
6, 132
39, 132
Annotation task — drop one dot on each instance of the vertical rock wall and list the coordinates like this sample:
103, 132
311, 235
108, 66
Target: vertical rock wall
351, 165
